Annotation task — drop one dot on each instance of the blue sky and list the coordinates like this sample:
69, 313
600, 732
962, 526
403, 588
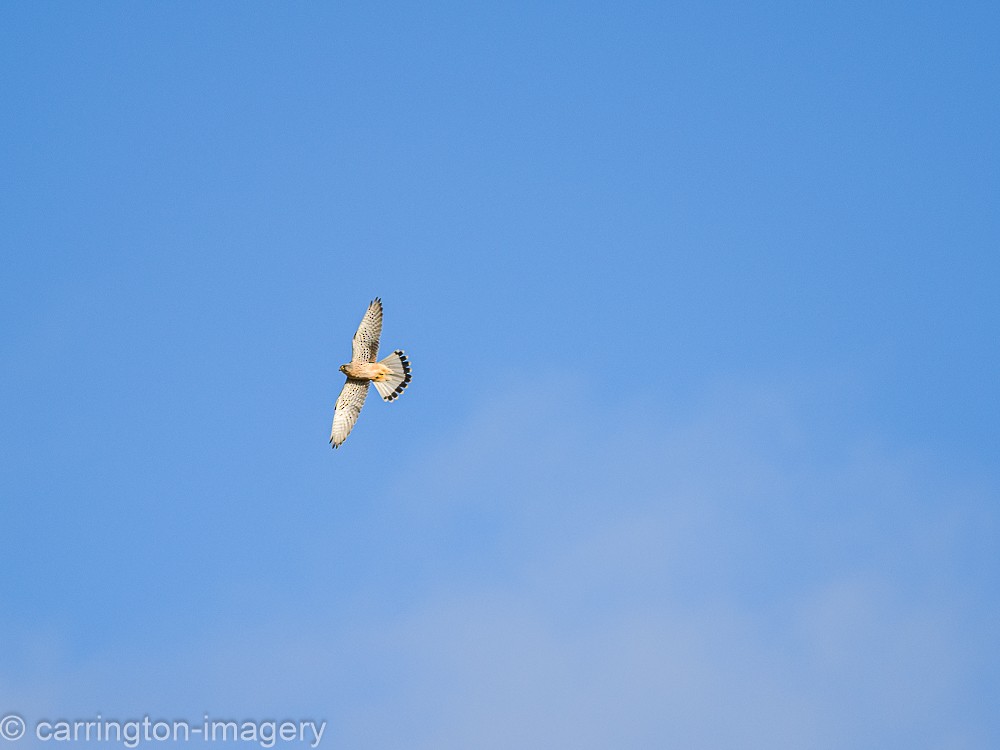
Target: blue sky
700, 449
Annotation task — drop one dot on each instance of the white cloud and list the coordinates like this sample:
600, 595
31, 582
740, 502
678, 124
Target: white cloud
738, 578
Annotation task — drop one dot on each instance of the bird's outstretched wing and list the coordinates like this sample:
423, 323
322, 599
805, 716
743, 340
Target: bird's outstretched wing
349, 403
364, 348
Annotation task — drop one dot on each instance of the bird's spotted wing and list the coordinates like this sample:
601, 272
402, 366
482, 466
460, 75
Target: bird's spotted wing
349, 404
365, 345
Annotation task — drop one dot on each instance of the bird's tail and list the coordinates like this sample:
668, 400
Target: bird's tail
398, 377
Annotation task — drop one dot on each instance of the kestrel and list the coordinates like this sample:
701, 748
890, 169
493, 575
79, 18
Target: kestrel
390, 376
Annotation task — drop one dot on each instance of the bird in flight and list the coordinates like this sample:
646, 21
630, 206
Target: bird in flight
390, 375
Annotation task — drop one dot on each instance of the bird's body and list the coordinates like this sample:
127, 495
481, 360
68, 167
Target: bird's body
366, 371
390, 375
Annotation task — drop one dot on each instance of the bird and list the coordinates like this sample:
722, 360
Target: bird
390, 375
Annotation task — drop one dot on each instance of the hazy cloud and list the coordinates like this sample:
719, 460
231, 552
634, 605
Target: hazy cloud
733, 577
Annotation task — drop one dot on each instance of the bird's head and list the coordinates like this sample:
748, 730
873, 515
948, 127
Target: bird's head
343, 369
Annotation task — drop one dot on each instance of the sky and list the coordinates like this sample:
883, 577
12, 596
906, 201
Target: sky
701, 302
